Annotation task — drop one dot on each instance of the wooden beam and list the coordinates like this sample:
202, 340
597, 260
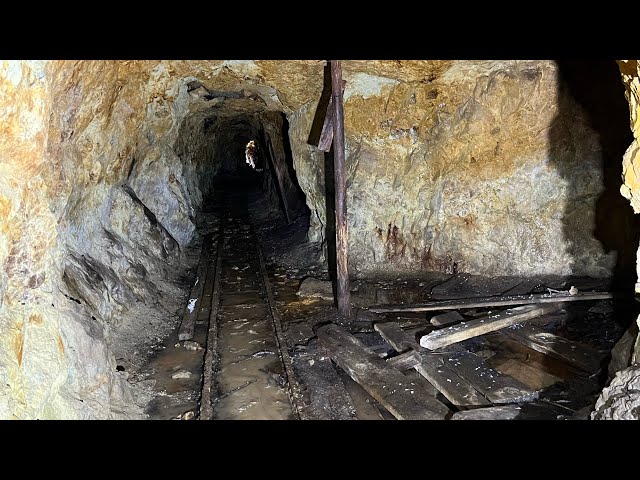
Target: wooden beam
396, 337
503, 412
365, 406
524, 372
194, 302
342, 234
446, 318
496, 387
211, 354
576, 354
491, 302
528, 411
466, 330
405, 360
326, 136
276, 173
397, 393
444, 379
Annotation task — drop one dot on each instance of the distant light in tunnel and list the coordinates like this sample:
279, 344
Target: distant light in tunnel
251, 153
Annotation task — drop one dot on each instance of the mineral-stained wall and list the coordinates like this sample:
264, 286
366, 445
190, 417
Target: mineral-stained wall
630, 70
474, 163
103, 166
621, 399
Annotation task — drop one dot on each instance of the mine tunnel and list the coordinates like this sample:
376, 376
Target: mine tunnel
169, 247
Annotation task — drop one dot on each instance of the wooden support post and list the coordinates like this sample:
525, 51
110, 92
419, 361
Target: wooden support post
344, 297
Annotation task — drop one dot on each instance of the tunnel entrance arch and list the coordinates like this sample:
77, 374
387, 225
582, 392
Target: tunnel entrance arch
237, 138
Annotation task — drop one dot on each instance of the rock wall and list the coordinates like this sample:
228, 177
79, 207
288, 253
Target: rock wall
103, 166
630, 70
54, 361
480, 164
621, 399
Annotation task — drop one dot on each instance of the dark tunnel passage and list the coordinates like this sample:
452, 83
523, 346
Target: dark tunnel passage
226, 164
249, 187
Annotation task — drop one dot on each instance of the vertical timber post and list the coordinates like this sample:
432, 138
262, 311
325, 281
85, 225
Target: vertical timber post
344, 300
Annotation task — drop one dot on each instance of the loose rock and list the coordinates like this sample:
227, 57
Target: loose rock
181, 374
314, 288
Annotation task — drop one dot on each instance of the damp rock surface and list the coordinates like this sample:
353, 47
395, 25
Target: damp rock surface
316, 288
621, 399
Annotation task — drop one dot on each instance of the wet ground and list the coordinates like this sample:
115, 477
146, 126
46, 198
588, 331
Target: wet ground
250, 382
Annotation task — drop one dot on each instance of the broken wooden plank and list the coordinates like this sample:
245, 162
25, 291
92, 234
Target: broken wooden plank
431, 366
365, 316
405, 360
382, 350
446, 318
194, 303
529, 411
387, 385
581, 356
492, 302
504, 412
365, 406
496, 387
278, 174
326, 136
508, 348
480, 326
531, 376
393, 334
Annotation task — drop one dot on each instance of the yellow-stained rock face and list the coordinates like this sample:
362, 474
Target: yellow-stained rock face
103, 166
39, 377
477, 163
630, 70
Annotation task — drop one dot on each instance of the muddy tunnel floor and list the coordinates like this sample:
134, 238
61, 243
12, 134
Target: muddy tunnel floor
256, 331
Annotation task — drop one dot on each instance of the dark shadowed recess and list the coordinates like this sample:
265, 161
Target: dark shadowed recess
596, 86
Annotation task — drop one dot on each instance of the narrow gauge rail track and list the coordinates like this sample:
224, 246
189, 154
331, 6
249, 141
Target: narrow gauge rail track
247, 368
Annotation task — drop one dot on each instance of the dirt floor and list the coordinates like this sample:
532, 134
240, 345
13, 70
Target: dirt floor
253, 384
